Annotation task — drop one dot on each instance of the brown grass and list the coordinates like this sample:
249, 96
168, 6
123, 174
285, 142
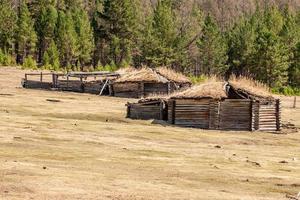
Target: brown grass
142, 75
83, 147
251, 86
215, 90
172, 75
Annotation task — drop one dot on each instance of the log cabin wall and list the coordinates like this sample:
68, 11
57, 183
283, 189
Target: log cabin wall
214, 114
93, 87
151, 89
70, 85
189, 112
268, 116
146, 111
235, 114
139, 89
126, 90
31, 84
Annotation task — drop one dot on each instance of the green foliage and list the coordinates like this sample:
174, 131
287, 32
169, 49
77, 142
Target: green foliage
51, 57
198, 79
6, 59
294, 69
116, 26
160, 36
29, 63
45, 26
75, 34
109, 68
66, 38
8, 21
25, 36
287, 90
84, 32
264, 46
212, 48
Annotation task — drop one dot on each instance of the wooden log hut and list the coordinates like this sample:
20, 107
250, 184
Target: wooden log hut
147, 82
234, 105
225, 106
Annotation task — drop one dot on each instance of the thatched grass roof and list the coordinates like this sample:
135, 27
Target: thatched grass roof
172, 75
145, 74
214, 90
253, 89
241, 88
142, 75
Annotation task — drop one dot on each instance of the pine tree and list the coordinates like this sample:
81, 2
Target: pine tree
51, 56
212, 48
66, 39
46, 24
26, 37
160, 43
116, 27
294, 69
8, 21
241, 41
84, 36
271, 59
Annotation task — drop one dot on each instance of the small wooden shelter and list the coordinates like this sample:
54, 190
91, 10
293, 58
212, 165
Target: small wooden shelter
147, 82
225, 106
214, 105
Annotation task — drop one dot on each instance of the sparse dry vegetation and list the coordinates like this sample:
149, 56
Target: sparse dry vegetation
79, 146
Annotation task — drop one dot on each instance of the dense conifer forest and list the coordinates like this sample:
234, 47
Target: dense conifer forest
260, 39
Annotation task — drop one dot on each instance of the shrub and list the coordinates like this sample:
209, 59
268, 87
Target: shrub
198, 79
29, 63
109, 68
6, 59
287, 91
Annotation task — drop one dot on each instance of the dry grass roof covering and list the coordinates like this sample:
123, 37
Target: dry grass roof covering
214, 90
172, 75
244, 87
142, 75
254, 89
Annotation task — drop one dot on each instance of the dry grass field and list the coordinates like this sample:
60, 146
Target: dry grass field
83, 147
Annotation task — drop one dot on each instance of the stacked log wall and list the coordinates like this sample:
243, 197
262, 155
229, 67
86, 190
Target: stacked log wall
214, 112
190, 113
93, 87
235, 114
37, 84
268, 116
70, 85
126, 90
145, 112
151, 89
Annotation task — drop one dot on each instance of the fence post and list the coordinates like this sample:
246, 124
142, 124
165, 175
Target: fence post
295, 102
278, 115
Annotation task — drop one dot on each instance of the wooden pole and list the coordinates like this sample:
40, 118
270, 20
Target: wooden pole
128, 110
295, 102
41, 78
252, 115
173, 111
278, 119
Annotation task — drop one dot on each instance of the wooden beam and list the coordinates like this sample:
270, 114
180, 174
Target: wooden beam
173, 111
278, 114
105, 84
